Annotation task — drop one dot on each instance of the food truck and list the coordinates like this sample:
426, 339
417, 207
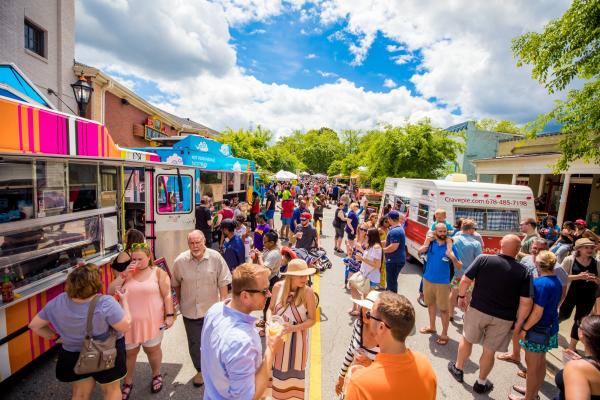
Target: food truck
497, 209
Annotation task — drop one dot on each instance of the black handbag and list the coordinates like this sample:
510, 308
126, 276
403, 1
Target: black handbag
539, 335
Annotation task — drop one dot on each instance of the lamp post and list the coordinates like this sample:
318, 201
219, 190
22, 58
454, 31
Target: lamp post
82, 90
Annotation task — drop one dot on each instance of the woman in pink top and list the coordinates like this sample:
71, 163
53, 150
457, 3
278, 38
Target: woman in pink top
149, 293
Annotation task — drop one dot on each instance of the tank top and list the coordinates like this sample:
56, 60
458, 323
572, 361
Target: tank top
584, 288
146, 307
337, 221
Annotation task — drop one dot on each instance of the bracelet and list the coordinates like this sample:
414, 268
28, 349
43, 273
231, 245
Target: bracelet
169, 315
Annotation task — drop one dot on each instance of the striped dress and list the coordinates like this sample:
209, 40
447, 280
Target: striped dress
355, 344
290, 361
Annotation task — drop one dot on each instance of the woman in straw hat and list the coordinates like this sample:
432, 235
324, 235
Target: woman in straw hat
582, 268
295, 302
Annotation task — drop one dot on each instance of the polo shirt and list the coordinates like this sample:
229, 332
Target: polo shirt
396, 235
199, 281
439, 267
394, 376
234, 252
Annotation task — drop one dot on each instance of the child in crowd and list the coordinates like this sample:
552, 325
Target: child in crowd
440, 218
243, 232
259, 233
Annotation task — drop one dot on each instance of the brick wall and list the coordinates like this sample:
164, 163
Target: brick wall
119, 119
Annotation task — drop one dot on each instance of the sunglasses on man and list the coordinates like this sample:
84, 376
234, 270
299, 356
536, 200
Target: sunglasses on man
264, 292
371, 316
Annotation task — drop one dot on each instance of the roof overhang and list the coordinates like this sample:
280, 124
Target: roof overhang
531, 164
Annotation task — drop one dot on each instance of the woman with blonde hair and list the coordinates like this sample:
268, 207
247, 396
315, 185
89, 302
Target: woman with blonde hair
149, 294
295, 302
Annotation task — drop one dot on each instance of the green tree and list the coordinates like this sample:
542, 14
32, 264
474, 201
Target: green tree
504, 126
569, 49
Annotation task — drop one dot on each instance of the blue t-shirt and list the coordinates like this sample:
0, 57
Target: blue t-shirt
353, 221
439, 267
547, 291
235, 252
468, 247
396, 235
448, 226
70, 318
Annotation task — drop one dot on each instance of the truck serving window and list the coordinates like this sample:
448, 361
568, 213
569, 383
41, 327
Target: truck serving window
490, 219
169, 199
423, 215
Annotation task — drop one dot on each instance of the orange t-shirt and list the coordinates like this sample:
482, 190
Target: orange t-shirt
409, 375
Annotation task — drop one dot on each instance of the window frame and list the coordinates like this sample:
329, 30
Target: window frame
157, 202
485, 228
420, 217
39, 38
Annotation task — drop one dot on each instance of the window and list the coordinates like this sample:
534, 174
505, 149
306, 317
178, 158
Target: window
210, 177
171, 198
402, 204
51, 188
134, 185
34, 39
230, 186
495, 220
16, 190
83, 187
108, 186
423, 214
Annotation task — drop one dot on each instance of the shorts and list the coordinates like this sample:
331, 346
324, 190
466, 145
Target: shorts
351, 236
286, 221
437, 293
491, 332
317, 217
270, 214
67, 360
540, 348
339, 233
148, 343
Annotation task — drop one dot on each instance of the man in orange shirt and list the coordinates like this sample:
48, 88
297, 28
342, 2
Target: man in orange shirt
396, 370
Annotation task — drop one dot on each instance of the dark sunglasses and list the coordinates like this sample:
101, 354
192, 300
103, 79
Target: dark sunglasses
371, 316
303, 219
264, 292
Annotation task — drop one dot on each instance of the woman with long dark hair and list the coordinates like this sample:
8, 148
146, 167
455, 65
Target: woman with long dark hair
370, 266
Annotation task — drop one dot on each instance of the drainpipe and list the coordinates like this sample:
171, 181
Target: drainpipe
562, 205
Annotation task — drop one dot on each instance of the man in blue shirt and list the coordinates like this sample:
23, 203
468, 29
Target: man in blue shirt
234, 252
468, 247
436, 281
395, 250
232, 360
297, 213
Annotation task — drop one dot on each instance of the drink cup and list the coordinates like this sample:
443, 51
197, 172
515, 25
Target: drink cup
275, 325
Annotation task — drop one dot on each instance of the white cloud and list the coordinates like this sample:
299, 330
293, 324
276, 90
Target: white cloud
257, 32
327, 74
402, 58
311, 56
389, 83
392, 48
239, 12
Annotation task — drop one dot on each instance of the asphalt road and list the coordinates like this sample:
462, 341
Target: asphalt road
329, 347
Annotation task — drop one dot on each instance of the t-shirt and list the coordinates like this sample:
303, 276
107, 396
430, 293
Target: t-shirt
259, 234
234, 253
547, 291
272, 260
449, 226
371, 254
467, 248
69, 319
393, 376
559, 271
203, 215
287, 208
271, 200
439, 267
500, 282
241, 231
396, 235
227, 213
353, 221
308, 239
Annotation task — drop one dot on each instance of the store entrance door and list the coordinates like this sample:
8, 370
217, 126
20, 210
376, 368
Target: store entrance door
577, 201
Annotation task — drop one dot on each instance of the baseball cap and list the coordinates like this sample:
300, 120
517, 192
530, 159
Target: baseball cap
393, 214
305, 215
580, 222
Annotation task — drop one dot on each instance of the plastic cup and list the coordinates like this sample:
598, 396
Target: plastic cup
275, 325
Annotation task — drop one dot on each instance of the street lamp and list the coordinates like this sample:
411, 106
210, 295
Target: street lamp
82, 90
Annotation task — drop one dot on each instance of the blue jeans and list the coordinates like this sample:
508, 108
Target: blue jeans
392, 270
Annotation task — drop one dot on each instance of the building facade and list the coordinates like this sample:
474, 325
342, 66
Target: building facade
38, 37
570, 195
478, 144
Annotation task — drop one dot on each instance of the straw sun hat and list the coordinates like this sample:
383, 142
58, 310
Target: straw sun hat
368, 301
298, 267
583, 242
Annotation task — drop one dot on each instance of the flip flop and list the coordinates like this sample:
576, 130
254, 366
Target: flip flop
442, 341
508, 358
522, 374
157, 383
126, 391
426, 331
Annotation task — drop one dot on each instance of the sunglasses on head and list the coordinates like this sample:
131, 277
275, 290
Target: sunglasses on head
371, 316
140, 246
264, 292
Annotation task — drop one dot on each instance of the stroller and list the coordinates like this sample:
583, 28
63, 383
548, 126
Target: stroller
316, 258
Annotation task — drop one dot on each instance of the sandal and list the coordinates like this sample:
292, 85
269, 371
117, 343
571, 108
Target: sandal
126, 391
426, 331
508, 358
157, 383
521, 390
522, 374
442, 341
421, 302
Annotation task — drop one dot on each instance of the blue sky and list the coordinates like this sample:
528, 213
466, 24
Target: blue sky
303, 64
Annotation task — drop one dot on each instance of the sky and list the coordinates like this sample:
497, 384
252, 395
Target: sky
305, 64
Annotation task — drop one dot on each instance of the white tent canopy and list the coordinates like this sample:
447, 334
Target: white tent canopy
285, 175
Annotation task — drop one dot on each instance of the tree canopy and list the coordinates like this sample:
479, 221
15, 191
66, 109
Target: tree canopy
569, 50
503, 126
412, 150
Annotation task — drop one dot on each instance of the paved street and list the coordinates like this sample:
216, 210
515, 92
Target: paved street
335, 330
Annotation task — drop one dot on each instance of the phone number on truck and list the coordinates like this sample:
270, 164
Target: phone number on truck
493, 202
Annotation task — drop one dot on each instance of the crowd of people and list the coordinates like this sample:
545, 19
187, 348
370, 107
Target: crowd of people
241, 261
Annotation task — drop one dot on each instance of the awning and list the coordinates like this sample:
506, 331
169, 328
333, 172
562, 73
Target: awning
285, 175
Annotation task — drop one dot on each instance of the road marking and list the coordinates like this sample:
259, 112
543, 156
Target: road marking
315, 351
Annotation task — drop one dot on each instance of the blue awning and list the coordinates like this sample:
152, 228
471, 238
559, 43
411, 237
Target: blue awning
13, 81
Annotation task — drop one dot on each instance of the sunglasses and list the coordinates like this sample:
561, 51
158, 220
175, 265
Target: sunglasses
371, 316
303, 219
140, 246
264, 292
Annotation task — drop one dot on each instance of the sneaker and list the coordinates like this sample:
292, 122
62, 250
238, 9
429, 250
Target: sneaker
481, 389
456, 373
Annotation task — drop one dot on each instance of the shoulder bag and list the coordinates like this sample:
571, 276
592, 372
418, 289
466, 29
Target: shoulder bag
96, 355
